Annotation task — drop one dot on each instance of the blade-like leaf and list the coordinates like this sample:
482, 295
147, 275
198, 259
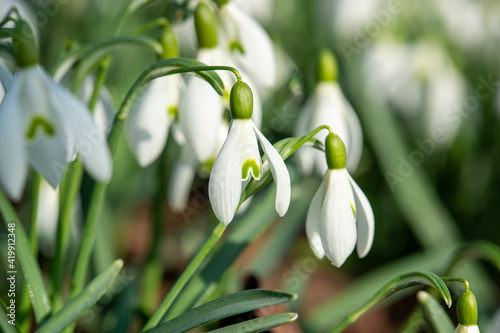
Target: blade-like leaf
4, 322
230, 305
84, 301
434, 313
478, 249
259, 324
399, 283
28, 263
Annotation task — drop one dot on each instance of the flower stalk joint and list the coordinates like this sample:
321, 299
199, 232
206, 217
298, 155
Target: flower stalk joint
335, 152
23, 42
241, 101
168, 41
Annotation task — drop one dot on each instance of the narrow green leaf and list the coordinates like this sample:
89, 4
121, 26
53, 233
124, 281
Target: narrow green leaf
28, 263
258, 324
399, 283
434, 313
4, 322
230, 305
478, 249
84, 301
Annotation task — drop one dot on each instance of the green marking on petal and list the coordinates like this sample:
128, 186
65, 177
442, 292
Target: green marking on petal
353, 210
39, 122
245, 169
172, 111
236, 46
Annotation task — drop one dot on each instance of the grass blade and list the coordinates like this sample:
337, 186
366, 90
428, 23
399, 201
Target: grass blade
259, 324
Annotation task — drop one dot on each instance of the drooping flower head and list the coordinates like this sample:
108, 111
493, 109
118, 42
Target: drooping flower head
467, 313
239, 160
43, 124
328, 106
339, 217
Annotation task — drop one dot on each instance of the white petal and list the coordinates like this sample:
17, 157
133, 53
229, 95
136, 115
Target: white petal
47, 153
305, 155
279, 171
259, 59
90, 143
313, 222
365, 221
104, 112
224, 186
200, 116
13, 168
181, 181
5, 79
249, 150
356, 149
47, 211
148, 123
338, 225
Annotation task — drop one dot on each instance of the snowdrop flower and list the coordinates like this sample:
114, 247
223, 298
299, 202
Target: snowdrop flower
104, 111
5, 79
239, 160
251, 46
339, 213
43, 124
467, 313
328, 106
201, 108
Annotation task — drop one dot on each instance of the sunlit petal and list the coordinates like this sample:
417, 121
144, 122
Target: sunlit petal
279, 171
365, 221
225, 184
313, 219
181, 181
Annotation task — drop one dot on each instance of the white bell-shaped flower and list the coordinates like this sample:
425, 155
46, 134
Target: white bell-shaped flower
328, 106
239, 160
340, 216
43, 124
104, 111
151, 116
251, 46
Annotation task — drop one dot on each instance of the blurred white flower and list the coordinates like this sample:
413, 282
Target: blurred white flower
339, 214
328, 106
5, 79
251, 46
151, 116
262, 10
46, 129
104, 111
239, 160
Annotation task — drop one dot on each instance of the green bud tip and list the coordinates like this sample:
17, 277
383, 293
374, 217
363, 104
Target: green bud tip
221, 3
23, 43
467, 309
168, 41
205, 24
241, 101
335, 152
327, 68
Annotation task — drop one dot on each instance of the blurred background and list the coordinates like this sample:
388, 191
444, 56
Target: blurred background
423, 77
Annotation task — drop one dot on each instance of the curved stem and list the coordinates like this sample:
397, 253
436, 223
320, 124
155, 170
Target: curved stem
455, 279
159, 315
158, 22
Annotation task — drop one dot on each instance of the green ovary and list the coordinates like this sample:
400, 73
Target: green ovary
245, 169
43, 124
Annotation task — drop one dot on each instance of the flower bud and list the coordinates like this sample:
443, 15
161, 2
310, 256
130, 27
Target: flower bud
467, 309
221, 3
326, 69
206, 26
335, 152
23, 42
241, 101
168, 41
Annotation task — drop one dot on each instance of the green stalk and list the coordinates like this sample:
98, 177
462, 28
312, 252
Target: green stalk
158, 316
25, 302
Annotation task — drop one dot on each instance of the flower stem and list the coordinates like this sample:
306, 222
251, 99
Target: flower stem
159, 315
456, 279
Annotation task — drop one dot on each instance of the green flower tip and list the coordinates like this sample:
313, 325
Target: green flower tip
23, 43
206, 26
241, 101
168, 41
335, 152
467, 309
221, 3
327, 68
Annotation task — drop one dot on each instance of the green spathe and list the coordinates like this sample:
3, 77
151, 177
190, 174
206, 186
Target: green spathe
23, 43
327, 68
169, 42
467, 309
241, 101
335, 152
206, 26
